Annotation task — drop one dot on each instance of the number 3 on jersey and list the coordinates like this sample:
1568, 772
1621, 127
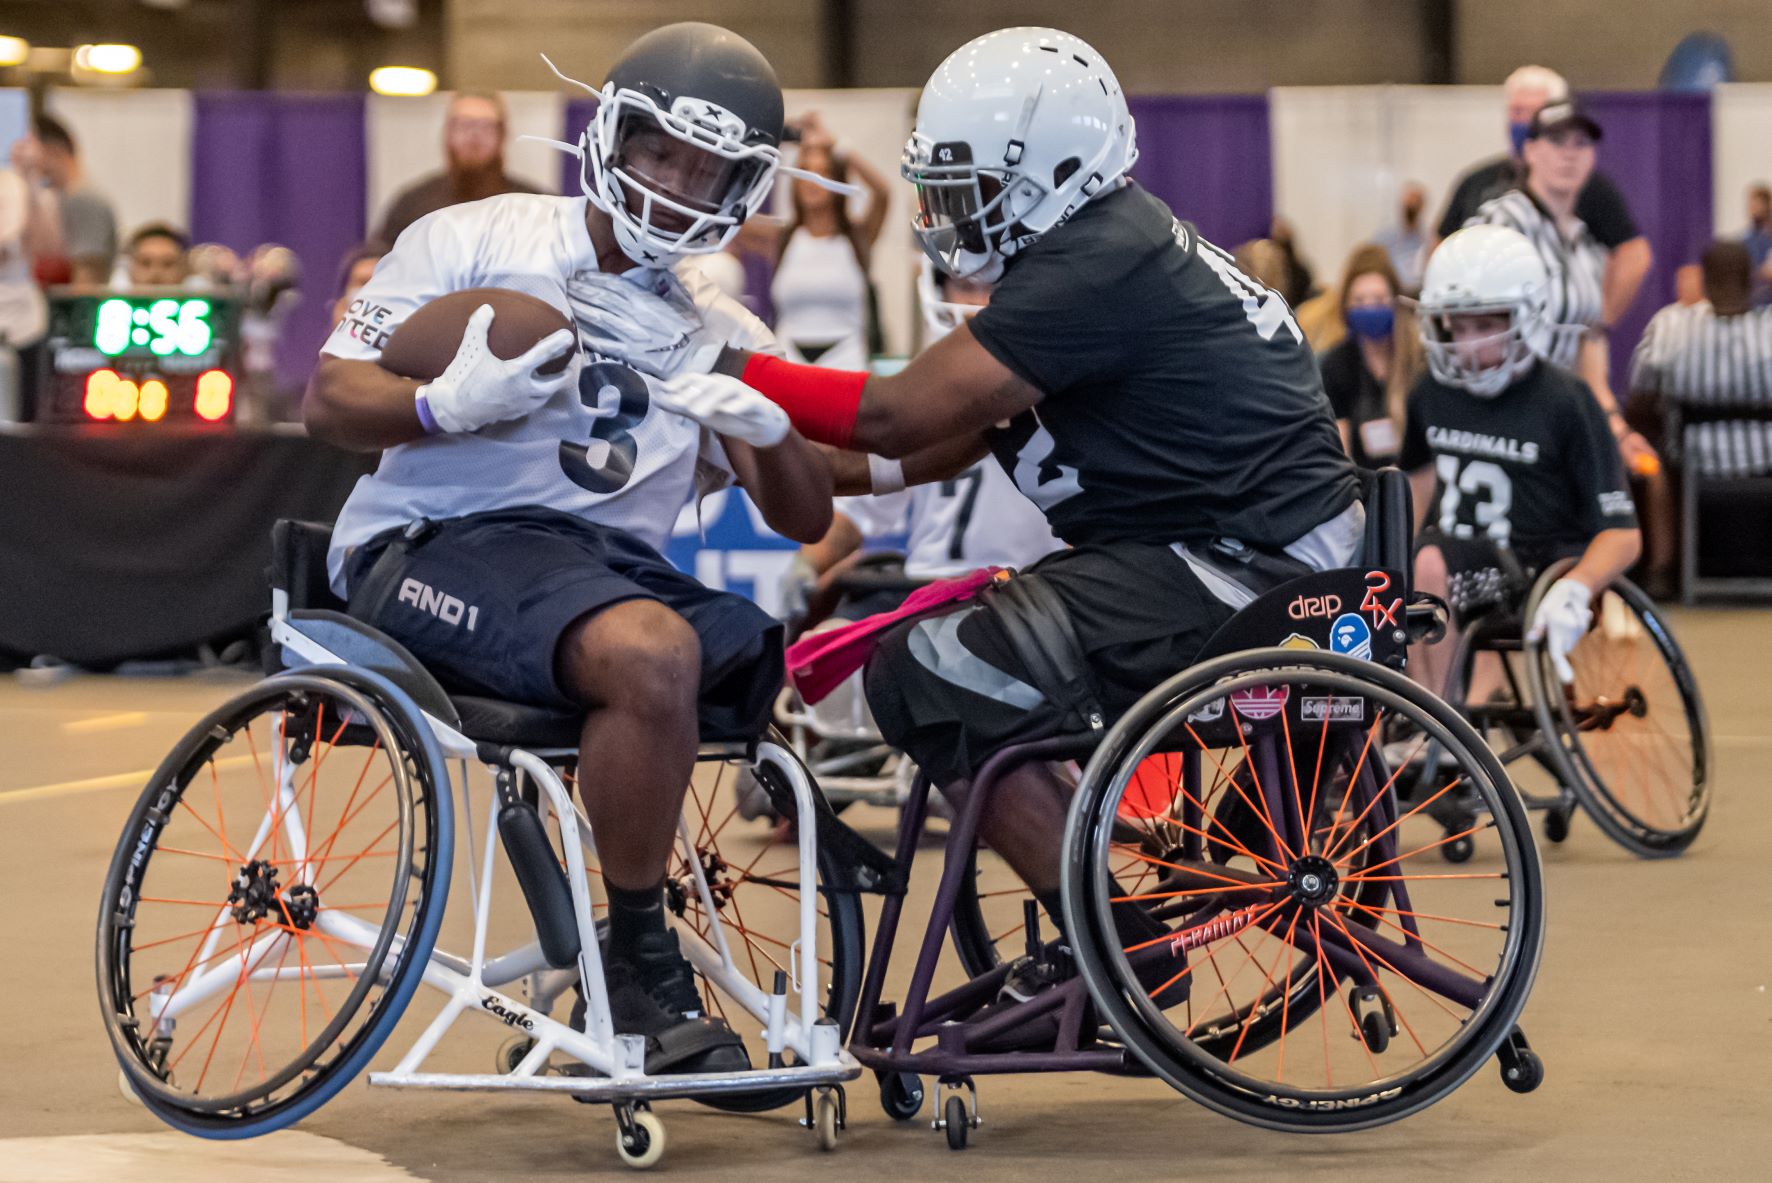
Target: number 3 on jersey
606, 463
1477, 479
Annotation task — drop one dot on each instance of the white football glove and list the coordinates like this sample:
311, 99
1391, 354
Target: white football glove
724, 405
479, 387
1561, 621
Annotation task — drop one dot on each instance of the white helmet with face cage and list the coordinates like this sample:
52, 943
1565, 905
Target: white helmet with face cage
1016, 130
1484, 270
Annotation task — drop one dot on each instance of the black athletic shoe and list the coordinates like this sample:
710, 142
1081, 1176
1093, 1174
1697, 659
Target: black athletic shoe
652, 992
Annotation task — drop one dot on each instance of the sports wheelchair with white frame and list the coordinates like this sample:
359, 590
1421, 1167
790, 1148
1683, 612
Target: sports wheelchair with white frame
1628, 742
277, 893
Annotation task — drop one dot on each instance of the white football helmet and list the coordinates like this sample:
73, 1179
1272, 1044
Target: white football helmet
1016, 130
1484, 269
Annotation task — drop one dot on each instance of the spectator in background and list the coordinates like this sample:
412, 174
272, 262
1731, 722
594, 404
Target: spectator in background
822, 293
1406, 242
23, 313
1758, 241
1368, 376
353, 272
158, 257
1717, 351
1559, 155
81, 241
474, 164
1599, 205
1299, 285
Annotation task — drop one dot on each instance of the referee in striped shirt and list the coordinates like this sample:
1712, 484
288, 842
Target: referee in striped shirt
1559, 158
1714, 358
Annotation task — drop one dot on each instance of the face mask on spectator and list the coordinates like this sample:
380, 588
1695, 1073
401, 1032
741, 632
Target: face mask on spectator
1371, 321
1516, 134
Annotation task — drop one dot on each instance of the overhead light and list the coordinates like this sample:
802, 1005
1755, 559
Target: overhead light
108, 58
14, 51
404, 81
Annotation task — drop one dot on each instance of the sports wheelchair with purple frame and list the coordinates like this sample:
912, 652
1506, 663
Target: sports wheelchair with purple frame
1317, 968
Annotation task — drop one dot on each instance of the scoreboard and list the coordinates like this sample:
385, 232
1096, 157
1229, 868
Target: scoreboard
147, 355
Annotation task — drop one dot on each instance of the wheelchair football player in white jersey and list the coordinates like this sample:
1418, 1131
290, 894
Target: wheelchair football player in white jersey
493, 595
977, 518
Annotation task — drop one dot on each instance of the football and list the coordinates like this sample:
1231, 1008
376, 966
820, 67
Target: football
425, 342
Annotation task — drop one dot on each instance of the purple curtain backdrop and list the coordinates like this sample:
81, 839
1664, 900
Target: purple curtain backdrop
1208, 158
288, 169
1657, 149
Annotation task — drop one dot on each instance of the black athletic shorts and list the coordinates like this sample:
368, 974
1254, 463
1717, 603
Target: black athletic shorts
483, 601
1480, 579
949, 690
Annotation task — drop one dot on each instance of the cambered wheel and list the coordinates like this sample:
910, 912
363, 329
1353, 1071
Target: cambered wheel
1357, 895
1633, 743
273, 901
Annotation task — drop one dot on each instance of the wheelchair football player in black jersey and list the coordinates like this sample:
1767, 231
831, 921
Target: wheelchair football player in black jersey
1517, 473
1232, 881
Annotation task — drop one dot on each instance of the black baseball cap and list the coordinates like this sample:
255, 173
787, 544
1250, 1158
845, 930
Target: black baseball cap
1554, 116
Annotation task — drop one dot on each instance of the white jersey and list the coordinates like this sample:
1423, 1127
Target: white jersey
977, 519
600, 449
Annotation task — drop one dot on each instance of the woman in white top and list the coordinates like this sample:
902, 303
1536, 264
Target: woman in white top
820, 290
1559, 155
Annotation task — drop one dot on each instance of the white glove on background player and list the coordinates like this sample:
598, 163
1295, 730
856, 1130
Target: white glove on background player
724, 405
1561, 621
479, 387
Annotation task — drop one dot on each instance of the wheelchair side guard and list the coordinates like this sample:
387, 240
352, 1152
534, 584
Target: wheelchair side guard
1360, 612
873, 868
1040, 631
538, 873
348, 640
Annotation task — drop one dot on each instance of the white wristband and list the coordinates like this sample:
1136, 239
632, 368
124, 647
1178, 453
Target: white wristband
884, 476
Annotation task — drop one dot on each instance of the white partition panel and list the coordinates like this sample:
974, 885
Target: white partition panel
1342, 154
136, 148
404, 139
1741, 150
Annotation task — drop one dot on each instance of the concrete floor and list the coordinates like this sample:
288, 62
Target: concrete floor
1652, 1013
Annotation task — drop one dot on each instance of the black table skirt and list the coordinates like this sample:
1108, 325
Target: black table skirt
141, 544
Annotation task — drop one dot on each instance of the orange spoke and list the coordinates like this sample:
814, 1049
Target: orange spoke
1266, 981
1322, 1000
1260, 795
1359, 1035
1231, 780
1360, 951
1423, 940
1477, 828
1384, 791
202, 821
1171, 895
355, 859
1426, 916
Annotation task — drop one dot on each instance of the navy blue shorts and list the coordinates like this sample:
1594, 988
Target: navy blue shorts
483, 601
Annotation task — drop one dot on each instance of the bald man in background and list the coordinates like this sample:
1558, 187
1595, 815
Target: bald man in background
474, 157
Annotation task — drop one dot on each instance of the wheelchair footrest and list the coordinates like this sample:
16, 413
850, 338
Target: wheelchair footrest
600, 1088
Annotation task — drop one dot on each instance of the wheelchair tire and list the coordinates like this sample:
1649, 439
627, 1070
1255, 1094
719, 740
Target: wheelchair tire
1287, 716
842, 943
343, 1010
1633, 743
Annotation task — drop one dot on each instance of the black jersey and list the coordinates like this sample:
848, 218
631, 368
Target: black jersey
1181, 401
1534, 467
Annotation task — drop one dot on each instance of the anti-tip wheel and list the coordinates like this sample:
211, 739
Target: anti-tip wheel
824, 1120
512, 1052
1525, 1073
901, 1095
1556, 825
957, 1122
1459, 850
642, 1148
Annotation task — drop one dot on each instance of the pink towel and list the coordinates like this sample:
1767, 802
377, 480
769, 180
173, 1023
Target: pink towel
818, 664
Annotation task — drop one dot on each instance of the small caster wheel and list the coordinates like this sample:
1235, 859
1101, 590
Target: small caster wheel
957, 1123
1556, 825
640, 1140
901, 1095
824, 1119
512, 1051
1377, 1021
1459, 850
1521, 1068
